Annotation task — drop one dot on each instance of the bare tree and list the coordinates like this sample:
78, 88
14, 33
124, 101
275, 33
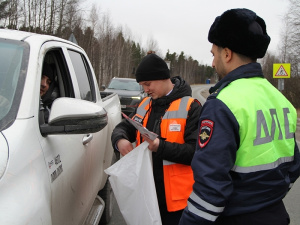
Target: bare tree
13, 14
61, 10
290, 44
94, 17
106, 32
153, 45
72, 16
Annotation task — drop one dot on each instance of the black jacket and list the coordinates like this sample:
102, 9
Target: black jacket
48, 99
180, 153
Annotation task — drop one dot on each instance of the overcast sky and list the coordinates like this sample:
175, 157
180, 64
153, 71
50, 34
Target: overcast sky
183, 25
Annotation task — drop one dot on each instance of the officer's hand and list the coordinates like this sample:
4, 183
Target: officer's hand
124, 146
153, 145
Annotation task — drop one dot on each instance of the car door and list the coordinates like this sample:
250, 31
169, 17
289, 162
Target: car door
99, 146
68, 157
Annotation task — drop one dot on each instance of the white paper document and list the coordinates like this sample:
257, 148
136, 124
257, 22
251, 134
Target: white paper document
143, 130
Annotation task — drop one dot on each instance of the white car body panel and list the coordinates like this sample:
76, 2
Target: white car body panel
25, 187
52, 179
3, 155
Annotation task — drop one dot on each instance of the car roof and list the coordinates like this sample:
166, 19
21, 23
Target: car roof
14, 34
29, 37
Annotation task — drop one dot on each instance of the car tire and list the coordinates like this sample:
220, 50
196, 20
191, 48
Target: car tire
107, 195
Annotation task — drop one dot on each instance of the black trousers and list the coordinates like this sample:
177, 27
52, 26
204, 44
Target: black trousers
171, 218
273, 215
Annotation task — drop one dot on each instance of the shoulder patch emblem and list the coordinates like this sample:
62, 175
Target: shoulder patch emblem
205, 132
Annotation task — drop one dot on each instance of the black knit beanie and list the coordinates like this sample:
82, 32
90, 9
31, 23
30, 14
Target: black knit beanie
242, 31
48, 71
152, 67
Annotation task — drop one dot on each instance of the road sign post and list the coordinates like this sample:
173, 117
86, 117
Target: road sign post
280, 84
281, 71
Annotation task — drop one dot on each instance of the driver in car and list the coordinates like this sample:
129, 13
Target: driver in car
48, 89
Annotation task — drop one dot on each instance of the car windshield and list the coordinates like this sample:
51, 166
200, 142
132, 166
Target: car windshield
12, 68
120, 84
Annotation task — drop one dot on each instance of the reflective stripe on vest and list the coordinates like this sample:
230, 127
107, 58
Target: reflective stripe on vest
266, 127
178, 178
143, 107
141, 116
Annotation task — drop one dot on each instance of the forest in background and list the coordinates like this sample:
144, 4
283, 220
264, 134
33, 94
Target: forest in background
114, 52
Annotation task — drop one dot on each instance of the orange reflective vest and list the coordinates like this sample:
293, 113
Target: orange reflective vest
178, 178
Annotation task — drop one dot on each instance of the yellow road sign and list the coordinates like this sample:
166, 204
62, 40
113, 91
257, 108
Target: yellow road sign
281, 70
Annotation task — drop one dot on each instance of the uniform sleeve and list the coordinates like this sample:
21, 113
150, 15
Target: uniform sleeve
183, 153
294, 171
218, 140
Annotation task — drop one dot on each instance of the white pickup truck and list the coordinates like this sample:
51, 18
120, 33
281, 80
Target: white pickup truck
53, 172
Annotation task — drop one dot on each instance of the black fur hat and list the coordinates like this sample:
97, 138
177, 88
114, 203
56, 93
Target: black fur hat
152, 67
242, 31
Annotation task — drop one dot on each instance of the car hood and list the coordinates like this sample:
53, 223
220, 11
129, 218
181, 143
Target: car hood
124, 92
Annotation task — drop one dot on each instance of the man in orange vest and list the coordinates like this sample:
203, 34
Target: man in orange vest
173, 114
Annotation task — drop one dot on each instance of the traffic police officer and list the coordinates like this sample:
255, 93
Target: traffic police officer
246, 157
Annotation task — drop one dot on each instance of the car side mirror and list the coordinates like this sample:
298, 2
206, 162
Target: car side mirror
74, 116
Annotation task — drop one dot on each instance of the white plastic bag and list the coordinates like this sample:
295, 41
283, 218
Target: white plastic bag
132, 181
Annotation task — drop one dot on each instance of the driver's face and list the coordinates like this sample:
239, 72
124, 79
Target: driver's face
45, 83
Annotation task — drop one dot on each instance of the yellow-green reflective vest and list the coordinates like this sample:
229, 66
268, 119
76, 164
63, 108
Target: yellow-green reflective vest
267, 124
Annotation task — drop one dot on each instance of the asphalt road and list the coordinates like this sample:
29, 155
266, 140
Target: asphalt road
291, 201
